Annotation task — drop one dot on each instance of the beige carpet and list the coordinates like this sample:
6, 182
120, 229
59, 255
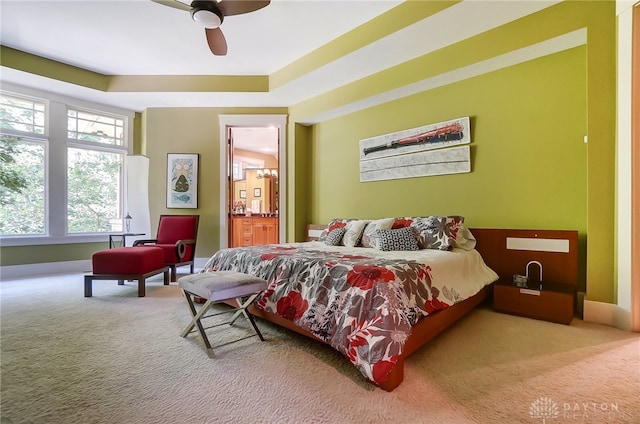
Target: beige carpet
117, 358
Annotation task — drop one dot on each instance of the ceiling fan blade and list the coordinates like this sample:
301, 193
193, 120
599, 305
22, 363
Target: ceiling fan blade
216, 40
174, 3
238, 7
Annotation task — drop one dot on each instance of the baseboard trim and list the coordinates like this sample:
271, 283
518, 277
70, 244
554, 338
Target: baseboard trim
607, 314
14, 272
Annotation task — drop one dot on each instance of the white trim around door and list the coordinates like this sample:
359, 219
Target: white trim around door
227, 121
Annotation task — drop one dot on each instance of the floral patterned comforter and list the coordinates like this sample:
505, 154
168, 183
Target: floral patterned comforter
361, 301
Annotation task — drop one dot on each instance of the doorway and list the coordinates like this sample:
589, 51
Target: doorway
239, 122
254, 186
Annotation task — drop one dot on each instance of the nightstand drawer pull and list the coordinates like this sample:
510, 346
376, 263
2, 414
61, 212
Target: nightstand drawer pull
531, 292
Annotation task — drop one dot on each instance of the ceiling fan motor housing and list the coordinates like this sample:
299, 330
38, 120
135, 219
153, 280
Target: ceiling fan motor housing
206, 13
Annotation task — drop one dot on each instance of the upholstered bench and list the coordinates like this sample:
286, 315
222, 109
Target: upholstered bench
218, 287
126, 263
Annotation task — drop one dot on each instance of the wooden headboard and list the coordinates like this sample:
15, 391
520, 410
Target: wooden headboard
508, 252
314, 231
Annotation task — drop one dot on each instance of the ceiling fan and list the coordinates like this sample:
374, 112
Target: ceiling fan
211, 13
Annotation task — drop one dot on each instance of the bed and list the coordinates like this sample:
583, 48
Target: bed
374, 305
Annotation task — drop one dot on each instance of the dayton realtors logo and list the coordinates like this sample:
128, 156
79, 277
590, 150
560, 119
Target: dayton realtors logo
545, 408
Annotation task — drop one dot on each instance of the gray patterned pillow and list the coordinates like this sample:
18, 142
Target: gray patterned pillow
334, 238
398, 239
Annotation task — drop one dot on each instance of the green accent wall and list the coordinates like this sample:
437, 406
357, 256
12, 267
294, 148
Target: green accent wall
299, 182
528, 155
490, 195
529, 161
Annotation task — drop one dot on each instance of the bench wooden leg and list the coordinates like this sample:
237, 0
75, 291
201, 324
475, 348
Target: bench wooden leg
141, 290
88, 286
140, 278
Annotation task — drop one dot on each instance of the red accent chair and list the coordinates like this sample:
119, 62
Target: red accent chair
176, 236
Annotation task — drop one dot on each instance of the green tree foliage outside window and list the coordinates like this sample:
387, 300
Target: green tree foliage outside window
94, 146
94, 171
22, 167
11, 179
22, 188
93, 189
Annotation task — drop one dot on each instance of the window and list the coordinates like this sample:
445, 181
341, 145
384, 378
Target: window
95, 172
61, 180
22, 176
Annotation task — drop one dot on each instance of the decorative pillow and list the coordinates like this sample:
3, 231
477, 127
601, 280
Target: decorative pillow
464, 239
333, 224
404, 238
437, 232
402, 222
369, 235
353, 232
335, 237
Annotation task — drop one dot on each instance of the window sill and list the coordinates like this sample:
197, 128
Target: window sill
8, 241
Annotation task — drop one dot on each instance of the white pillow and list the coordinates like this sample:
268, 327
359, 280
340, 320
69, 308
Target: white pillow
353, 232
464, 239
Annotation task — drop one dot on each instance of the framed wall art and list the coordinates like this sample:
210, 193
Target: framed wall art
257, 192
182, 180
434, 149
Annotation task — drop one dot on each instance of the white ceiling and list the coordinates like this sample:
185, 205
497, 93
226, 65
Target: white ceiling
140, 37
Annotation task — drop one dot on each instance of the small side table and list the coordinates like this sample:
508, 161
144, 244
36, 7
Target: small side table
121, 238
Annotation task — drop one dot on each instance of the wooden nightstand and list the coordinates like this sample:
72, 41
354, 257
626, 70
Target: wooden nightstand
555, 302
553, 255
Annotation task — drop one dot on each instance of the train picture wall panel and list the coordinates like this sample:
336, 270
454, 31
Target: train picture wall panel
434, 149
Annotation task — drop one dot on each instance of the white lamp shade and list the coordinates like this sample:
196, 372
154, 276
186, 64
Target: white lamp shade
207, 18
137, 207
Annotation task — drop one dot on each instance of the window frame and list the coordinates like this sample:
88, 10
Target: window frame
56, 164
94, 146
